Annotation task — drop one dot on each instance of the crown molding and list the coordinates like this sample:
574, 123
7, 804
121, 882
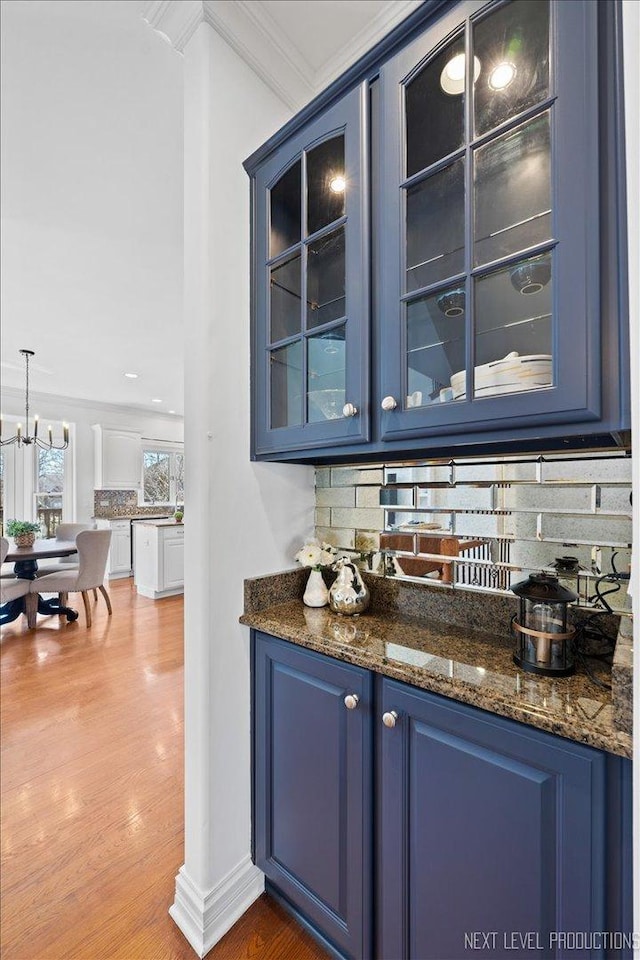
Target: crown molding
251, 31
175, 20
78, 403
378, 28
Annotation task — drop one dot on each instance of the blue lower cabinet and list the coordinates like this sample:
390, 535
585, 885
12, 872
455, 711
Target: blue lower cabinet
313, 788
479, 836
491, 835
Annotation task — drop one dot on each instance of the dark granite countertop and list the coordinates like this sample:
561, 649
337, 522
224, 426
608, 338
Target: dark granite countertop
135, 516
469, 665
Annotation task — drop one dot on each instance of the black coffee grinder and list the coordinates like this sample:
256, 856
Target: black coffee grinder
544, 641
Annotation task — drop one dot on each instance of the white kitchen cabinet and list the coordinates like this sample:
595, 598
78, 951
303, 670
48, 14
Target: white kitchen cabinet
173, 561
119, 561
159, 552
118, 459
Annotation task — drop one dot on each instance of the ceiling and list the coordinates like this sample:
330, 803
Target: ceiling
92, 176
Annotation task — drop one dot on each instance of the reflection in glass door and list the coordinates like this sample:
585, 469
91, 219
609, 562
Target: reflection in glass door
307, 272
478, 245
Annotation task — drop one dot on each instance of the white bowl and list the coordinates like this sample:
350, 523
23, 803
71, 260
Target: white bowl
328, 402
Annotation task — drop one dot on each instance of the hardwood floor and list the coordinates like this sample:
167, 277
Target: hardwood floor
91, 790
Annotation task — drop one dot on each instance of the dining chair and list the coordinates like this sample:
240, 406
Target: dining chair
65, 531
93, 550
6, 569
13, 589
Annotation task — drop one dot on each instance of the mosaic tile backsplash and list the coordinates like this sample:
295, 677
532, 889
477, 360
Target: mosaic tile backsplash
110, 504
484, 524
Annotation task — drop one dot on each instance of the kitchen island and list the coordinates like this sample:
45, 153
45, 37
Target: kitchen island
413, 786
159, 558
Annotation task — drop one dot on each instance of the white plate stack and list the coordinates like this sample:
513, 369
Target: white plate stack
512, 374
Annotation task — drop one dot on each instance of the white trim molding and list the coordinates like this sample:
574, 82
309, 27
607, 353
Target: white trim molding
250, 30
389, 17
257, 39
175, 20
204, 918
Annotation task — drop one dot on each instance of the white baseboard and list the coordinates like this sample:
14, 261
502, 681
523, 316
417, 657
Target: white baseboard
158, 594
205, 918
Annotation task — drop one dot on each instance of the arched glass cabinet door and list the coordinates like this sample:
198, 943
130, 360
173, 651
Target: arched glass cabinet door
489, 282
311, 292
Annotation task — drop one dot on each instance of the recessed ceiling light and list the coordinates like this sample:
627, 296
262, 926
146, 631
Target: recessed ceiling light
338, 184
131, 376
502, 75
156, 400
452, 78
171, 411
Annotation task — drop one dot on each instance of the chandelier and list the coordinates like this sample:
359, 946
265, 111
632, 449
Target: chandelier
25, 438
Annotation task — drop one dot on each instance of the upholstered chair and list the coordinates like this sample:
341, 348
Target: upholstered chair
13, 589
6, 569
65, 531
93, 550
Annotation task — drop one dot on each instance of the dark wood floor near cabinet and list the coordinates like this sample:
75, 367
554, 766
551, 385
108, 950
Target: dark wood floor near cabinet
91, 779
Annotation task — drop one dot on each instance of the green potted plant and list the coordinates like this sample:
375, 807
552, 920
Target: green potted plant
23, 532
178, 515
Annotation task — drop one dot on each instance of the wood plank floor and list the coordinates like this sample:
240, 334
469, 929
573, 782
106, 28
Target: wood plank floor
91, 792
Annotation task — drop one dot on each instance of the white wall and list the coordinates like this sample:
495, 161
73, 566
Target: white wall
81, 415
91, 141
252, 517
631, 26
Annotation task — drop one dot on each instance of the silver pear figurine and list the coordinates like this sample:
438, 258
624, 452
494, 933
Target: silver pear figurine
348, 594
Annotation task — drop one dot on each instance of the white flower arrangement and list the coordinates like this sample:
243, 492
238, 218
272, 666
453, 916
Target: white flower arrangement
316, 555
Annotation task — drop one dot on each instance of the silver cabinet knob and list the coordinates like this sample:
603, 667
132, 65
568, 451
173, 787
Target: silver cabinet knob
349, 410
389, 719
389, 403
351, 701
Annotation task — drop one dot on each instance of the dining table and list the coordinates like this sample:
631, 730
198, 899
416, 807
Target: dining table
25, 561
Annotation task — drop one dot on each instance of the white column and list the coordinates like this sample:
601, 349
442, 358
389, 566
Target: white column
241, 518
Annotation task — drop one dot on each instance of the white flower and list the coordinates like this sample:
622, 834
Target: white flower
310, 555
314, 554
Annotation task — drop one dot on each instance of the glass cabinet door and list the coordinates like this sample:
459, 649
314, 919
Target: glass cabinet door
488, 304
310, 348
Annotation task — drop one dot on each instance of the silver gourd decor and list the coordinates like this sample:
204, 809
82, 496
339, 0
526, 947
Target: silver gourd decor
348, 594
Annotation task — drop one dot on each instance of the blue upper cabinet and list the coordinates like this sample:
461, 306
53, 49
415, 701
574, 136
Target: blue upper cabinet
491, 135
311, 291
490, 219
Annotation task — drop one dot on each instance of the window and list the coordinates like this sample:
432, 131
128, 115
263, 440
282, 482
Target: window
179, 473
49, 489
38, 485
162, 475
